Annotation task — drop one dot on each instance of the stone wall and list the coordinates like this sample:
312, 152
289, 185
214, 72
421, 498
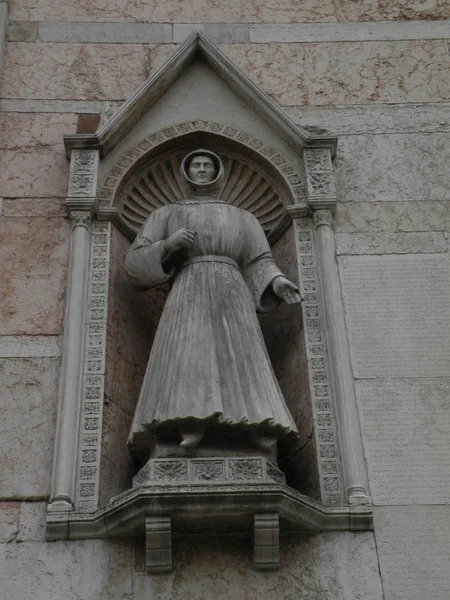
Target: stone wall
376, 74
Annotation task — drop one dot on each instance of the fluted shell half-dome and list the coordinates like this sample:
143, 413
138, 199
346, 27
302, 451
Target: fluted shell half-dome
244, 184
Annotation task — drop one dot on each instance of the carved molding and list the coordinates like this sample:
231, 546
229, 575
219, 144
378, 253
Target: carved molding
345, 408
208, 469
320, 385
83, 179
89, 443
320, 178
147, 190
193, 502
322, 217
80, 219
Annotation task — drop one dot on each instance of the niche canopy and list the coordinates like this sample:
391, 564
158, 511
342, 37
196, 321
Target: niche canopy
283, 169
196, 47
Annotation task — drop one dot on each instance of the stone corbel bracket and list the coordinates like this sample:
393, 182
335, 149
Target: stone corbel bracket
154, 510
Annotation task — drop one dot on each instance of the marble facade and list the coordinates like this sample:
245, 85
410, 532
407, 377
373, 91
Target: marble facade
388, 100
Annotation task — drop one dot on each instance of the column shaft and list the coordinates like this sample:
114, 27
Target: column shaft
353, 463
64, 464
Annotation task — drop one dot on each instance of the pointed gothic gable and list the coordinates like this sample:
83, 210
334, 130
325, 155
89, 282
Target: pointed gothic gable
197, 47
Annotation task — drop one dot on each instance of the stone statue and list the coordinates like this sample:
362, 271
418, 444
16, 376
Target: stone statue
209, 367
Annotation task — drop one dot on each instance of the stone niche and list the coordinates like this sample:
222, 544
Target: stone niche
119, 176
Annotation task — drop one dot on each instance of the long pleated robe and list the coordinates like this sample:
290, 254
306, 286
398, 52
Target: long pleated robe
208, 362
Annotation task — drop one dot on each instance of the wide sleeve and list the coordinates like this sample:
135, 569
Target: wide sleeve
258, 267
144, 261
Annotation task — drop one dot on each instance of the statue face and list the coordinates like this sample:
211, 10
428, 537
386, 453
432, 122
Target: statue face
201, 169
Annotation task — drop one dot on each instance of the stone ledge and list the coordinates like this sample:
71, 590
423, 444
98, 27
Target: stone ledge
225, 32
106, 33
22, 31
222, 33
390, 243
199, 507
349, 32
25, 346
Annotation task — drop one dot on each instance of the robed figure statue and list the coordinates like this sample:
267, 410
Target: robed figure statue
209, 367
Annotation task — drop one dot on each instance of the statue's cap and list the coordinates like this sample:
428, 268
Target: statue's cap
210, 185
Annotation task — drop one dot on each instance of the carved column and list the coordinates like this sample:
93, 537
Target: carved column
323, 199
353, 465
81, 203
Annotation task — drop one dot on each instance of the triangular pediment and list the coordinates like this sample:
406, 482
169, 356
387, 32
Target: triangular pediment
197, 48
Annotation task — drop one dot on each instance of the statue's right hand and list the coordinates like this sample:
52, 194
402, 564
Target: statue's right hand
183, 238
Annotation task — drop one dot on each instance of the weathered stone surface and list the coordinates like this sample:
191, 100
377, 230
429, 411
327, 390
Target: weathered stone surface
347, 73
220, 33
386, 10
394, 167
86, 569
295, 74
54, 106
33, 254
25, 132
33, 161
132, 321
29, 397
3, 27
284, 338
349, 32
342, 120
325, 567
396, 311
374, 118
34, 207
115, 33
405, 425
72, 71
413, 549
168, 11
227, 11
32, 522
9, 518
390, 243
22, 31
392, 216
116, 468
22, 346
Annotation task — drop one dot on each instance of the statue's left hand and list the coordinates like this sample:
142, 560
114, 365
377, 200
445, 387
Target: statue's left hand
286, 290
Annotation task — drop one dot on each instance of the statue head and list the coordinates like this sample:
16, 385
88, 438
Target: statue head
202, 170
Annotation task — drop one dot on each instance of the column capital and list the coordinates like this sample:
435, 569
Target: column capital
80, 218
323, 216
298, 211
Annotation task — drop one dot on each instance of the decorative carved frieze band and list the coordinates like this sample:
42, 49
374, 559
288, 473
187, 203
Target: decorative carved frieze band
83, 179
315, 341
208, 469
137, 204
320, 178
89, 446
